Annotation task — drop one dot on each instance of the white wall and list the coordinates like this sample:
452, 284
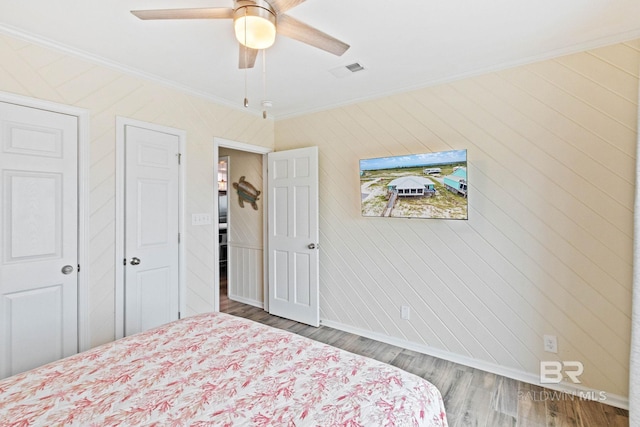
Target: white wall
547, 248
31, 70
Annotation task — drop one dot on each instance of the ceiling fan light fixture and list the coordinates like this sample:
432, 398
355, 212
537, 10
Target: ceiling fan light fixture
255, 26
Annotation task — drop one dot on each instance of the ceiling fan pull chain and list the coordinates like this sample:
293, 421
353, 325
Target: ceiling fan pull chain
245, 50
264, 83
246, 100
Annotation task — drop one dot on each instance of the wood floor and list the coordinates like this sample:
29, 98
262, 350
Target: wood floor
472, 397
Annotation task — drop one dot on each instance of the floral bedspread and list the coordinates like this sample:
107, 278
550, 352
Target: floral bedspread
218, 370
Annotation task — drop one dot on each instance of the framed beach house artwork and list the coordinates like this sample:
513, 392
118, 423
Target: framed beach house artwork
428, 185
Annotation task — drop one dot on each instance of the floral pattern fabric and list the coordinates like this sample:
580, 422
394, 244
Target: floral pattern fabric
218, 370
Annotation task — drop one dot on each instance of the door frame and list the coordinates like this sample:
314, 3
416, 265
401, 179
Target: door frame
250, 148
84, 333
121, 123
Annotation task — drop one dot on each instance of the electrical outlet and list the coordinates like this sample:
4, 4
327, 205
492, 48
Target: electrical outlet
201, 219
550, 343
404, 312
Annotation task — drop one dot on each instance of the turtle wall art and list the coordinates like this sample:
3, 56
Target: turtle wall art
246, 192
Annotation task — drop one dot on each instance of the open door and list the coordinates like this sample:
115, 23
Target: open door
293, 235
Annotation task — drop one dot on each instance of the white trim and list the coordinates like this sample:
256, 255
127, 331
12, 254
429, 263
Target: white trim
216, 220
246, 246
247, 301
634, 353
240, 146
119, 230
580, 47
265, 234
216, 230
516, 374
121, 122
84, 332
96, 59
182, 218
450, 78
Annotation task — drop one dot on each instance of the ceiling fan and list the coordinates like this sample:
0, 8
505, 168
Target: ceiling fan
256, 23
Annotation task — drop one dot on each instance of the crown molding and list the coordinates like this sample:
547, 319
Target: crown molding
99, 60
622, 37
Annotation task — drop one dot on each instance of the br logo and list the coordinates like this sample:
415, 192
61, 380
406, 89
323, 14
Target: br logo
552, 372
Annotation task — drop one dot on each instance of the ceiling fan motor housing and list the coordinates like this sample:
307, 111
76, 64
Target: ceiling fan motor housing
254, 23
258, 3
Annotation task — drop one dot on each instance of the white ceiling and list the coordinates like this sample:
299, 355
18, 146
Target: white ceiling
402, 44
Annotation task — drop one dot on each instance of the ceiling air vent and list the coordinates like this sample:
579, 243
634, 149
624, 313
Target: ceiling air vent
355, 67
346, 70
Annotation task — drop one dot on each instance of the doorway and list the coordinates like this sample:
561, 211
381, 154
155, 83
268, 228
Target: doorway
243, 263
241, 249
288, 265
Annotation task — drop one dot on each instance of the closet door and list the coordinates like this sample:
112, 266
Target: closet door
152, 204
39, 237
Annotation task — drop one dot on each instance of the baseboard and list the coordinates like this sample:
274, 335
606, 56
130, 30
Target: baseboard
247, 301
576, 391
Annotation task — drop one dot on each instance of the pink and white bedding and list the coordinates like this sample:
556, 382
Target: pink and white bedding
218, 370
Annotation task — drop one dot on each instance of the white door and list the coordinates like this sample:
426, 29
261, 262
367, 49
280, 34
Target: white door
293, 235
151, 228
38, 237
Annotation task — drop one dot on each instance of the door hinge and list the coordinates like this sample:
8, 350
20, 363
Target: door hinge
179, 158
178, 238
179, 317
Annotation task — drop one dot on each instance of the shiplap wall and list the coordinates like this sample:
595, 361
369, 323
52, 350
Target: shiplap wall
32, 70
547, 248
245, 235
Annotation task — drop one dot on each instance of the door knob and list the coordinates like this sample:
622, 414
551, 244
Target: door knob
67, 269
313, 246
135, 261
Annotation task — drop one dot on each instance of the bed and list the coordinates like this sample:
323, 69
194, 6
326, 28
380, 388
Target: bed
218, 370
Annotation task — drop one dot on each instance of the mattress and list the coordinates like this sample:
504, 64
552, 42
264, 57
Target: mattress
218, 370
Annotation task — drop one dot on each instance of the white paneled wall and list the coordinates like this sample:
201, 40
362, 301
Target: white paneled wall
245, 274
245, 232
547, 248
31, 70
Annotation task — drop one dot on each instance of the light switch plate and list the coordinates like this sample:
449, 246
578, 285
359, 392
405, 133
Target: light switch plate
201, 219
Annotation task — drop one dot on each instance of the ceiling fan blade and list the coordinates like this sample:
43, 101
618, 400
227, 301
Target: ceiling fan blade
292, 28
247, 57
198, 13
281, 6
